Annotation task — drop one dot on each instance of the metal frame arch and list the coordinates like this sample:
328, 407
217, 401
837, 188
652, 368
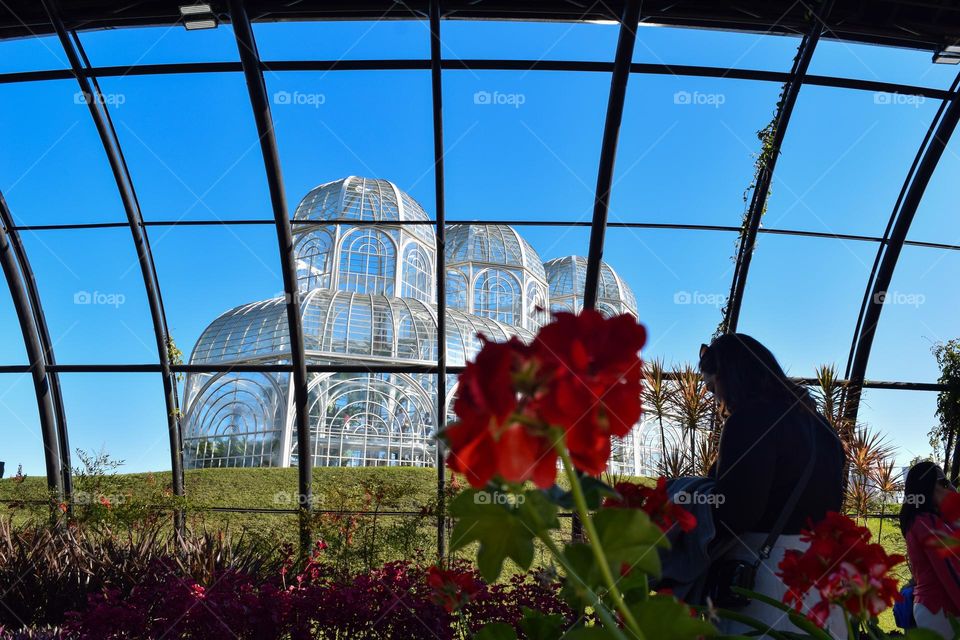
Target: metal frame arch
608, 147
17, 283
900, 220
112, 149
761, 189
256, 86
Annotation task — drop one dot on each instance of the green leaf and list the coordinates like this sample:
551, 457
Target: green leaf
923, 634
589, 633
499, 529
664, 618
496, 631
537, 512
537, 625
630, 540
594, 491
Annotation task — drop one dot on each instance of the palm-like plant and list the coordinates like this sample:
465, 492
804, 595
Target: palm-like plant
691, 405
867, 450
830, 395
708, 449
674, 463
657, 396
887, 481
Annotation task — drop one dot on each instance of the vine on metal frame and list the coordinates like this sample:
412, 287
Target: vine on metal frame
947, 433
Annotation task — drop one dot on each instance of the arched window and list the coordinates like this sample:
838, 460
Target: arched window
456, 290
536, 307
368, 262
496, 294
313, 261
416, 275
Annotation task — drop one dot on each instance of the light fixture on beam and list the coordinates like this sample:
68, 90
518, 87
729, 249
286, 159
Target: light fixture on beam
198, 16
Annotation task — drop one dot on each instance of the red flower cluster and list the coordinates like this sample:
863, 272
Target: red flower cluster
452, 589
843, 567
655, 502
582, 375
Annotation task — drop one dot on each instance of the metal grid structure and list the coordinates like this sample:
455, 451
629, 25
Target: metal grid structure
931, 26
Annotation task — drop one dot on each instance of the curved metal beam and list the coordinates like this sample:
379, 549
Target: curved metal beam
111, 146
761, 189
436, 89
37, 355
608, 148
252, 71
901, 221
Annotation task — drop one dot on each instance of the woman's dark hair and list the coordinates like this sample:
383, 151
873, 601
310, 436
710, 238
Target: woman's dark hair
748, 372
918, 490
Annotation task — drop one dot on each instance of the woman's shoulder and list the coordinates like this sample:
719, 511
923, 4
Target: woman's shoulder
926, 523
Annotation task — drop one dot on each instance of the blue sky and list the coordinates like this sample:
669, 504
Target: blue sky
685, 156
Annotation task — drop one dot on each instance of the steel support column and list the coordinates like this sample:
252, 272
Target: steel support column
250, 60
42, 379
902, 220
131, 206
608, 148
764, 178
437, 94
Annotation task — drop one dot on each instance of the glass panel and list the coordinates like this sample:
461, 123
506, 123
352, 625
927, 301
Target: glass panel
512, 151
905, 417
23, 444
936, 219
844, 160
32, 54
343, 40
802, 298
714, 48
329, 128
680, 279
485, 39
57, 172
191, 163
159, 45
884, 64
687, 148
219, 273
920, 310
120, 414
92, 293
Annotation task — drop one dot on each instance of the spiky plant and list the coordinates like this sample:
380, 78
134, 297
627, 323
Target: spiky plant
675, 463
860, 493
708, 449
657, 396
691, 405
830, 395
866, 450
887, 481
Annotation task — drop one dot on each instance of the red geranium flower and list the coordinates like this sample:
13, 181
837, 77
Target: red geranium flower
493, 434
843, 567
451, 589
950, 507
655, 502
594, 381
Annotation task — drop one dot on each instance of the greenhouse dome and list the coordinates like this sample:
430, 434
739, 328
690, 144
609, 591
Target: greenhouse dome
566, 277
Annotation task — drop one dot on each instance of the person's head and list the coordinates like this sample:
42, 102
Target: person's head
739, 370
923, 491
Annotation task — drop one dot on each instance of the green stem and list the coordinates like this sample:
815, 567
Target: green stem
601, 609
581, 503
846, 618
